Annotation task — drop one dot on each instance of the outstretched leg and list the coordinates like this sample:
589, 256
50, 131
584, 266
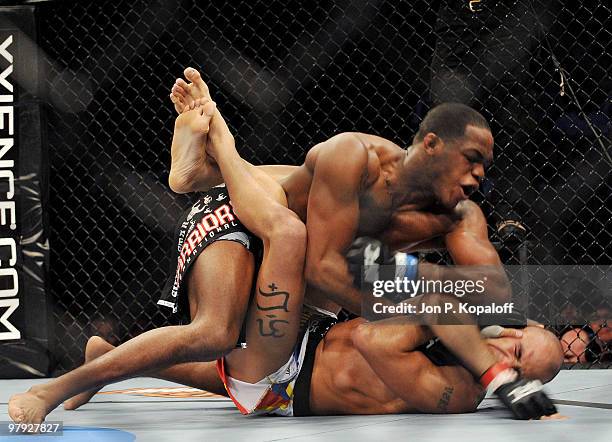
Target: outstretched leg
202, 375
260, 203
218, 311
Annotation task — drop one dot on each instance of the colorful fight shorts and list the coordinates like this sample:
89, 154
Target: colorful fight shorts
209, 220
275, 394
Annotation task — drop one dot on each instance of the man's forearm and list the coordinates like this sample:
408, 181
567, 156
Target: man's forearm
336, 282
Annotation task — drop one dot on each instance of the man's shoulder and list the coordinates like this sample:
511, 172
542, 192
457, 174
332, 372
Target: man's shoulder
355, 140
358, 148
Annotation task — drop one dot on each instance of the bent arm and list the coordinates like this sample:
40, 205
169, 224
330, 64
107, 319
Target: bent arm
389, 348
470, 248
339, 173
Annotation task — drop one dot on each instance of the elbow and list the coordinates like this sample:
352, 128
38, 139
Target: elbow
315, 273
363, 337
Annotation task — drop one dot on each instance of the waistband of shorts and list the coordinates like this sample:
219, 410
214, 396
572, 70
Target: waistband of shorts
301, 389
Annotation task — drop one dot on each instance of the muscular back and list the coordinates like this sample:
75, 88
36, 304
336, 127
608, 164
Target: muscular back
344, 383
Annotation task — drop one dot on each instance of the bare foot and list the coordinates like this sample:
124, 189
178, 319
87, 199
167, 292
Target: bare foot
30, 407
554, 417
191, 168
184, 95
96, 347
220, 139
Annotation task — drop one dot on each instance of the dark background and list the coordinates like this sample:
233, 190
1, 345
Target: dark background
286, 75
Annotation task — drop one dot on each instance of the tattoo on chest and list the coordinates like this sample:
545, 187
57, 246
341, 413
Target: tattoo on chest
445, 399
273, 301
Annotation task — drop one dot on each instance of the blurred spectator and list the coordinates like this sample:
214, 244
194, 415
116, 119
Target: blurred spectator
580, 345
575, 343
602, 330
582, 317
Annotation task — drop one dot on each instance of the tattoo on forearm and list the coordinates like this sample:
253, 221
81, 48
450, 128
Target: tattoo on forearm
445, 399
279, 300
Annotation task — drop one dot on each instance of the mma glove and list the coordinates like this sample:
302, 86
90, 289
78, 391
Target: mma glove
526, 399
377, 262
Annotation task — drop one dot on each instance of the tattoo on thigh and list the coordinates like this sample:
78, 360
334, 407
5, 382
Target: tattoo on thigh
278, 300
273, 296
445, 399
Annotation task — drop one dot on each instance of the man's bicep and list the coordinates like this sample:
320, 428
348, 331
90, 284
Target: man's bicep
333, 202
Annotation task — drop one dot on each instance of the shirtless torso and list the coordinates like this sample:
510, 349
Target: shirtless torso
343, 382
399, 224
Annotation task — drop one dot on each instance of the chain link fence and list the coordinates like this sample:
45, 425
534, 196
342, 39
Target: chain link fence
289, 74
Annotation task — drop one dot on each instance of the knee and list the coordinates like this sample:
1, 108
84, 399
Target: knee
211, 338
288, 231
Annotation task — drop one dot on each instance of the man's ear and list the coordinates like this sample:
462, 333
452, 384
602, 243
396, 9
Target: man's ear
432, 143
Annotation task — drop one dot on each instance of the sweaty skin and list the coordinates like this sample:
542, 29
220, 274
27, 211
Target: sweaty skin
357, 184
345, 378
364, 185
409, 197
375, 368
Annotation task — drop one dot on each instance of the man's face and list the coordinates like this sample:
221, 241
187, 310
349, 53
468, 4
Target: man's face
526, 354
461, 164
574, 343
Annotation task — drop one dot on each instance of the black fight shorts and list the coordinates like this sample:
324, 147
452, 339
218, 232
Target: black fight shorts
209, 220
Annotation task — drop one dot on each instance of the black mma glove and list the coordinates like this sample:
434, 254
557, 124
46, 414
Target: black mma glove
366, 253
378, 263
524, 398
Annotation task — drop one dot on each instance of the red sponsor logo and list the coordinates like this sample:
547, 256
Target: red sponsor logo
208, 225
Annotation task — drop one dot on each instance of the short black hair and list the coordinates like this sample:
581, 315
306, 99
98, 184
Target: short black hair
449, 120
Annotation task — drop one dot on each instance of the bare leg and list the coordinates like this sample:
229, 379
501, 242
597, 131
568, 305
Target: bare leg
273, 320
214, 331
202, 375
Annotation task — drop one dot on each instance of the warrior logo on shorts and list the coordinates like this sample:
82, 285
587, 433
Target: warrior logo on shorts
198, 209
200, 233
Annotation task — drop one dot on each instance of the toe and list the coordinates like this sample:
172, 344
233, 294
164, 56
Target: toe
194, 76
206, 112
182, 83
209, 108
179, 105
